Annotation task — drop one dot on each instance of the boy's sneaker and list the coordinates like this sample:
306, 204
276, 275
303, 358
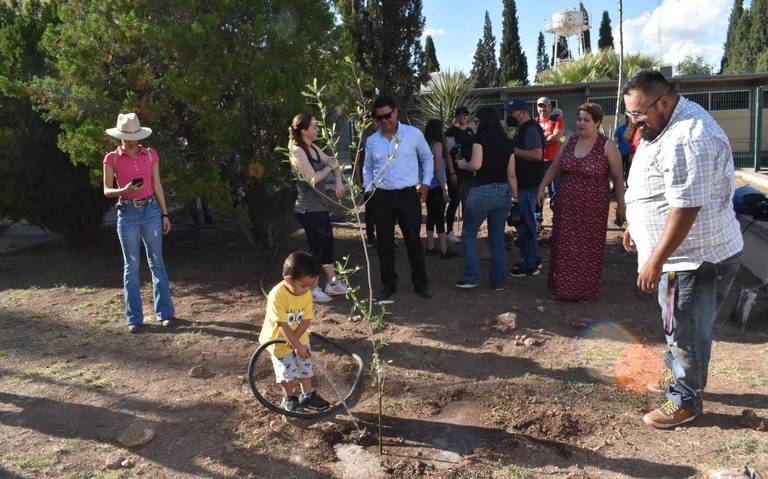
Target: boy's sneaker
522, 270
314, 401
464, 285
291, 403
668, 415
318, 296
336, 289
660, 386
452, 237
449, 253
522, 264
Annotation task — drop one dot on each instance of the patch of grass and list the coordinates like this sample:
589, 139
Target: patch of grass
64, 447
60, 287
85, 305
514, 472
189, 338
37, 466
741, 446
744, 374
89, 377
86, 290
11, 298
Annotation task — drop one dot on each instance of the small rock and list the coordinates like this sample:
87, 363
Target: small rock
113, 462
540, 308
198, 371
508, 318
487, 322
529, 342
505, 328
751, 420
127, 464
242, 378
136, 435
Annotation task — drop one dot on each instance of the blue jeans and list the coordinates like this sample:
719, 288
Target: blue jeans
526, 231
552, 187
491, 201
690, 325
136, 224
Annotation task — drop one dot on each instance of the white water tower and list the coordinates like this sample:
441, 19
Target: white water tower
567, 23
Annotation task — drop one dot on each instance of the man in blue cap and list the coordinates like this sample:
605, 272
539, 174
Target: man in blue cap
529, 168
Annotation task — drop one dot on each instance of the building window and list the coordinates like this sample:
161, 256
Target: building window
607, 104
700, 98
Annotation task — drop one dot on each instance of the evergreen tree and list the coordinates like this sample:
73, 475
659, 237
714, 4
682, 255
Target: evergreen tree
542, 58
694, 65
586, 41
740, 58
733, 22
38, 182
386, 35
606, 36
484, 70
212, 80
430, 56
563, 52
758, 32
513, 66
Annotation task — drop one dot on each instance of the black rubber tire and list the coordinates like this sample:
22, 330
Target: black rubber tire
313, 415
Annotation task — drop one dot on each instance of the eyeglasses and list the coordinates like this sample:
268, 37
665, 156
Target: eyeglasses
385, 116
636, 115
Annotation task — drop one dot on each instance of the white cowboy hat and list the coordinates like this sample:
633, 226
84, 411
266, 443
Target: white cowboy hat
129, 128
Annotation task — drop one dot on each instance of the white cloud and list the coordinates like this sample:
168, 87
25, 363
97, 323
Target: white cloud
688, 27
432, 32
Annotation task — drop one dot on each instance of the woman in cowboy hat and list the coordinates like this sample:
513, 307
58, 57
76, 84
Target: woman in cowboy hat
132, 174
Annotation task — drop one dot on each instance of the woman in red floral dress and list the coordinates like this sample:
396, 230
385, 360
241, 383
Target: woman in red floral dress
581, 213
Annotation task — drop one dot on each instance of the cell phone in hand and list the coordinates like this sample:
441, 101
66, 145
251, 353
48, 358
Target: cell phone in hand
137, 181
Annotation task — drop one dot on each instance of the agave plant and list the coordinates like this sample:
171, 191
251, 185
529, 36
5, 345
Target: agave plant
444, 92
603, 65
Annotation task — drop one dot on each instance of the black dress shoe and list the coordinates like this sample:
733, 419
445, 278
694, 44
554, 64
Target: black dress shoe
385, 295
424, 292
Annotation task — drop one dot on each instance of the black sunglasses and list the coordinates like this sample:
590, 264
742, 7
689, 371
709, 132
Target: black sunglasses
385, 116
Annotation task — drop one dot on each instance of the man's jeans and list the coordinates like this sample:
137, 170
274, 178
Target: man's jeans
689, 328
552, 187
135, 224
490, 201
526, 231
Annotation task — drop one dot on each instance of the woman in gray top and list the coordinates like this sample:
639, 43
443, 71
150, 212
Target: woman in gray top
312, 166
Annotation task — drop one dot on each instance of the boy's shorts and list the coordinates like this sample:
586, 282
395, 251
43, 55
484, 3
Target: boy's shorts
291, 366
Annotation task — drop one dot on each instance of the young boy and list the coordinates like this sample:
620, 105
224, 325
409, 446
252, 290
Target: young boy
289, 312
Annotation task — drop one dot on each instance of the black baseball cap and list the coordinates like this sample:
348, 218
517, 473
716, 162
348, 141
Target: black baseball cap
460, 110
518, 104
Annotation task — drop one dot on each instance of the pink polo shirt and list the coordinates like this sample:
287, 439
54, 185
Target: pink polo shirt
129, 168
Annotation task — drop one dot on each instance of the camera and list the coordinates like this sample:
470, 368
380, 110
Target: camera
514, 218
456, 153
137, 181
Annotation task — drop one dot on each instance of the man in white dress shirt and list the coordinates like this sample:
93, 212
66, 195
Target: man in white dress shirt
682, 224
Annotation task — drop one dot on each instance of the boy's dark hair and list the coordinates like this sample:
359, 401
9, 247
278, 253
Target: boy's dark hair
648, 81
300, 265
384, 100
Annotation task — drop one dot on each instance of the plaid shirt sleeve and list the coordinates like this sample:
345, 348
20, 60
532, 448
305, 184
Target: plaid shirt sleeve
688, 174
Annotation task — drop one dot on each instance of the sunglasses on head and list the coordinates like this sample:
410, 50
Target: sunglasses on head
385, 116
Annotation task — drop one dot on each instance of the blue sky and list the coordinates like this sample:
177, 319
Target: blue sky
688, 27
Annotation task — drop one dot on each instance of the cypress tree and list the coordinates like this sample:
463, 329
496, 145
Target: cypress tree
740, 59
758, 32
733, 22
542, 59
606, 37
513, 66
484, 69
586, 41
386, 35
430, 56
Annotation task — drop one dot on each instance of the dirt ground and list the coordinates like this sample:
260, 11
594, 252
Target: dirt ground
463, 396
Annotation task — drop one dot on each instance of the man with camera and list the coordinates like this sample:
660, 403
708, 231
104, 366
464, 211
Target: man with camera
529, 169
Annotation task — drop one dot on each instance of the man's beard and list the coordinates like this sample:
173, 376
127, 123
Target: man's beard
648, 133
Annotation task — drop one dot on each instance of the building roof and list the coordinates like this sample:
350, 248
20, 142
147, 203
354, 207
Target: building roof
754, 78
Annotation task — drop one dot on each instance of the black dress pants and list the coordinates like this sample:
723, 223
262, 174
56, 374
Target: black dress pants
401, 206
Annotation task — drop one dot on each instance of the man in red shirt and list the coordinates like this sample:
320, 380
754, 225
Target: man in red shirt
553, 130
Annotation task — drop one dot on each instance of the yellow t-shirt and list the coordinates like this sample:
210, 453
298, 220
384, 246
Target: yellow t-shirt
284, 307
